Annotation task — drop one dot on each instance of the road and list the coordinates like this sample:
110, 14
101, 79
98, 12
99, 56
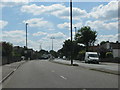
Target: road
45, 74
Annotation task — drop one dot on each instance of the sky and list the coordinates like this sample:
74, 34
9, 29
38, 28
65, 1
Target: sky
52, 19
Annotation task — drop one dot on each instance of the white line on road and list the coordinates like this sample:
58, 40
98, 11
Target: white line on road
63, 77
53, 71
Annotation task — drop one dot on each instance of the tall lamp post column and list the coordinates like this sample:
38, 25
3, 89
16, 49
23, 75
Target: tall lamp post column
75, 30
71, 31
52, 44
26, 52
26, 34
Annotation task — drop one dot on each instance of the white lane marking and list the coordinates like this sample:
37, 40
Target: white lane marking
63, 77
53, 71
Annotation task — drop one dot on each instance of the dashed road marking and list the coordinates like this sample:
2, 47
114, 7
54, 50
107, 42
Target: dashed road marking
63, 77
53, 71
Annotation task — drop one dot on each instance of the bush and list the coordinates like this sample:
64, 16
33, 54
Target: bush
81, 55
109, 55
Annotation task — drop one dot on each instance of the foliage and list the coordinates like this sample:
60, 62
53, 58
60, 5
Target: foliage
109, 55
81, 55
103, 42
54, 53
86, 36
7, 49
102, 52
66, 50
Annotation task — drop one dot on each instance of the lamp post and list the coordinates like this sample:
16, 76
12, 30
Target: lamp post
52, 46
40, 46
75, 30
26, 42
26, 34
71, 31
52, 42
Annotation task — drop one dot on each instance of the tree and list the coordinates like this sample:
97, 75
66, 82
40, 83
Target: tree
66, 50
109, 55
103, 42
53, 53
7, 50
86, 36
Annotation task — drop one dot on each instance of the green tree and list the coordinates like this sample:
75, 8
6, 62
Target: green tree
7, 50
109, 55
54, 53
81, 55
103, 42
66, 50
86, 36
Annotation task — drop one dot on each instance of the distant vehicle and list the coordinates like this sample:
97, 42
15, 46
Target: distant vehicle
64, 57
44, 56
91, 57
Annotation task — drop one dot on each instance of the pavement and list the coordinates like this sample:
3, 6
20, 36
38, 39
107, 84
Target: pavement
112, 68
45, 74
8, 69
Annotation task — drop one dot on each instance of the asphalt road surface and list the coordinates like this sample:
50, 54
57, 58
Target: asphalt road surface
45, 74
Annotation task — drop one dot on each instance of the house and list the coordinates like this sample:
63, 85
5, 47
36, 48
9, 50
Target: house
94, 48
112, 47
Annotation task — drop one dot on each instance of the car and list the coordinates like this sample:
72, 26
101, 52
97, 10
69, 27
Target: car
91, 57
64, 57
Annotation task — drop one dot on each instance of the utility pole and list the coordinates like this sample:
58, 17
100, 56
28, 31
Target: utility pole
26, 34
40, 46
52, 42
75, 30
26, 52
71, 31
52, 46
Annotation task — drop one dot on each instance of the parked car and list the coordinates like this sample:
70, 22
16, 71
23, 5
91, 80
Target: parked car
91, 57
64, 58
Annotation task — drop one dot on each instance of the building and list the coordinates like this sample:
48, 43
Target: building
112, 47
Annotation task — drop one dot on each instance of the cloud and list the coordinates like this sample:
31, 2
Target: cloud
58, 35
111, 38
65, 13
57, 42
58, 10
105, 12
11, 3
3, 24
66, 25
37, 10
16, 37
39, 22
101, 25
102, 12
39, 34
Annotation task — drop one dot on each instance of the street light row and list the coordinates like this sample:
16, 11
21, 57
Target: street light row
54, 38
40, 45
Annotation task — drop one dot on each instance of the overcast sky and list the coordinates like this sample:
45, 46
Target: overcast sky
51, 19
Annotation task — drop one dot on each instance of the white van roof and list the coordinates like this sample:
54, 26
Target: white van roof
91, 52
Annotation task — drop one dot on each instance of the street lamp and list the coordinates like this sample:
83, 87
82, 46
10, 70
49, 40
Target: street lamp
52, 42
52, 46
71, 30
40, 46
26, 34
75, 30
26, 41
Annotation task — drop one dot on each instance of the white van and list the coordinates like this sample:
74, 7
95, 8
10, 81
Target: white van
91, 57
